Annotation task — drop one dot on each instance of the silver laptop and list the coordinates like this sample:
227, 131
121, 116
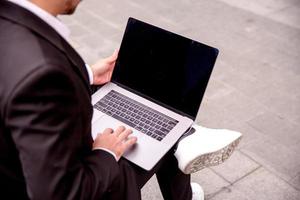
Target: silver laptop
156, 89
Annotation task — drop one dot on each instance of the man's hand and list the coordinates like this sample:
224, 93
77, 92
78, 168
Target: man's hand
102, 70
116, 141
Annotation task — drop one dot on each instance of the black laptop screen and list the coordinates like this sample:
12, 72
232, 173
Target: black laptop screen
163, 66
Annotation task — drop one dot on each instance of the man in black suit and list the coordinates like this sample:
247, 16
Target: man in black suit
46, 149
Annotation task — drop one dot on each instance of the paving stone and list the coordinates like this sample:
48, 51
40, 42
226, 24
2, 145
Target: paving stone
263, 8
249, 134
274, 156
261, 184
151, 190
232, 108
230, 193
286, 106
277, 51
280, 129
296, 182
67, 20
232, 170
88, 55
78, 30
209, 181
289, 15
217, 89
210, 115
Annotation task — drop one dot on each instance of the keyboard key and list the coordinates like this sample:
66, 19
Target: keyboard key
101, 104
129, 123
159, 133
171, 123
138, 128
165, 131
144, 130
149, 133
131, 119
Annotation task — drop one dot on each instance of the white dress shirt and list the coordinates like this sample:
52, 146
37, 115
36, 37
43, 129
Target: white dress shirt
60, 28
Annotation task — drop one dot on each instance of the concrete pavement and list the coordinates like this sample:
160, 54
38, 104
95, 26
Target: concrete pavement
254, 87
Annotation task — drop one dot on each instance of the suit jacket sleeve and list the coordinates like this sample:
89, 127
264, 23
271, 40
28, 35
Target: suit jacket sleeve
44, 120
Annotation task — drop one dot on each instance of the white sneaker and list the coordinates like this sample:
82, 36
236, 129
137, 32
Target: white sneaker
205, 147
197, 190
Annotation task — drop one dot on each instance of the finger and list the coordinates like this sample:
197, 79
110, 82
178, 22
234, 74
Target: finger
113, 57
119, 130
124, 135
108, 131
116, 53
128, 143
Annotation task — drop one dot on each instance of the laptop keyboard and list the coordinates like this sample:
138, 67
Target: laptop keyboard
136, 115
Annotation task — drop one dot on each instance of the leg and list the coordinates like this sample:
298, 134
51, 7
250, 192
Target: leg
173, 183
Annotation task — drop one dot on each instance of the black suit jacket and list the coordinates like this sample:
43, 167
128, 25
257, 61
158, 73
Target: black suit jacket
45, 115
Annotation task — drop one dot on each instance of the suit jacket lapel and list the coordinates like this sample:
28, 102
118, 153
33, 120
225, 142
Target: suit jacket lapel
25, 18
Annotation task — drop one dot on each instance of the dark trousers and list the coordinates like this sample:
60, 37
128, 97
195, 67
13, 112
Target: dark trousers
173, 184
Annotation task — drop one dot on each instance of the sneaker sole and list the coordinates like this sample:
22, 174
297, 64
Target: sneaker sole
211, 159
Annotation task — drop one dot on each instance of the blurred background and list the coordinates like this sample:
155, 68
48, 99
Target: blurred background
254, 88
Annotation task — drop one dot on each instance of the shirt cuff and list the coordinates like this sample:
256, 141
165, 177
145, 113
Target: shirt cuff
90, 72
108, 151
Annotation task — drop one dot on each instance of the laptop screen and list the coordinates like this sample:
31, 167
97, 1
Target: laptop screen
162, 66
